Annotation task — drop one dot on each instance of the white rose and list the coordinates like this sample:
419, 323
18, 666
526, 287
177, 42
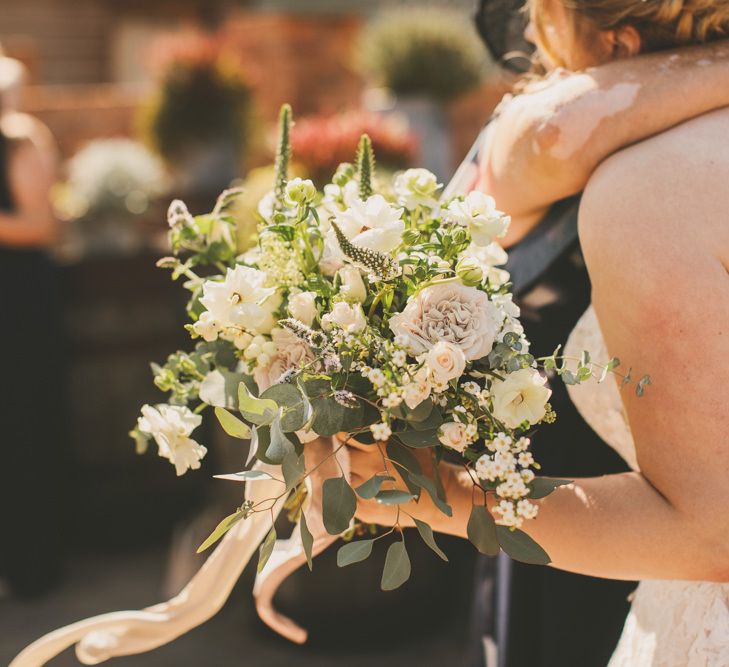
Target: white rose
171, 426
373, 224
449, 312
453, 435
291, 354
302, 307
346, 316
417, 187
478, 212
521, 396
446, 361
353, 288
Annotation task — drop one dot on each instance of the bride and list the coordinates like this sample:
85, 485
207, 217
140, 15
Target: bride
654, 228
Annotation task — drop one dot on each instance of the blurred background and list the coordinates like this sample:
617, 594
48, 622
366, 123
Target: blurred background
152, 100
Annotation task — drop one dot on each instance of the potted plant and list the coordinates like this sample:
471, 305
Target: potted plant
199, 118
421, 60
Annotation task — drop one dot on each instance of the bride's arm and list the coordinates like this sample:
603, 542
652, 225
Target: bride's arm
545, 144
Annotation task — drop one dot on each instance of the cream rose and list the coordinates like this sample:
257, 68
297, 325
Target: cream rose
291, 353
453, 435
418, 389
449, 312
446, 361
347, 317
521, 396
478, 212
353, 288
302, 307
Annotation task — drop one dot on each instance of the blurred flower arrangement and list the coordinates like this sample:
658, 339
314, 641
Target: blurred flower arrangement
424, 52
109, 183
204, 102
322, 143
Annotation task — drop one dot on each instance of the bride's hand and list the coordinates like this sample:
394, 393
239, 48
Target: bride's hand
369, 460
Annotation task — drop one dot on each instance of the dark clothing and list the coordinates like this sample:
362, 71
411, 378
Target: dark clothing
558, 619
31, 411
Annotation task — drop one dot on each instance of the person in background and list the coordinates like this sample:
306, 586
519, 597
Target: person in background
32, 385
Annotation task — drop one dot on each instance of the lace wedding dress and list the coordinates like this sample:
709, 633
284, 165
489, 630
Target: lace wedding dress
671, 623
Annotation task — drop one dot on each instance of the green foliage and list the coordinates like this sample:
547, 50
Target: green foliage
259, 411
434, 53
482, 531
307, 540
541, 487
377, 264
365, 167
283, 155
521, 547
371, 487
198, 102
223, 527
393, 497
426, 532
354, 552
266, 548
397, 567
338, 505
233, 426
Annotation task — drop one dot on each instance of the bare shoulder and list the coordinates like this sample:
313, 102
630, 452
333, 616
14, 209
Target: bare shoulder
32, 145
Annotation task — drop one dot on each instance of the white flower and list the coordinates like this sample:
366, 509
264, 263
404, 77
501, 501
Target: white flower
446, 361
300, 191
418, 390
526, 459
489, 258
417, 187
526, 510
450, 312
291, 353
348, 317
373, 224
381, 431
453, 435
399, 358
236, 303
521, 396
353, 288
206, 326
266, 206
171, 426
302, 307
478, 212
376, 377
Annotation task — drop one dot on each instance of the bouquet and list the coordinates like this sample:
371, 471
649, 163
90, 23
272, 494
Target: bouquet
369, 312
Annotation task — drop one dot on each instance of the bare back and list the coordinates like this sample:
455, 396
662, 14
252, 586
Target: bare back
654, 226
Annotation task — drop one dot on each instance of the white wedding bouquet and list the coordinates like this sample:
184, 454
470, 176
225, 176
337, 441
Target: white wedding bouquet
372, 311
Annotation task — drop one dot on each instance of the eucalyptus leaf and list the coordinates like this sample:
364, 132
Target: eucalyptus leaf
338, 505
288, 397
371, 487
307, 540
419, 439
429, 485
426, 532
223, 527
541, 487
393, 497
233, 426
521, 547
255, 410
292, 468
397, 567
264, 553
354, 552
481, 531
280, 446
407, 464
329, 416
245, 476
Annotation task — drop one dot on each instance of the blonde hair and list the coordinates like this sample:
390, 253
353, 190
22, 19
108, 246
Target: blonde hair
661, 24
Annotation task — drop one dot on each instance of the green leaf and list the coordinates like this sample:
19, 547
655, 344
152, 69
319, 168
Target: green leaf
264, 553
338, 505
482, 531
644, 382
371, 487
419, 439
430, 487
223, 527
354, 552
407, 464
295, 407
397, 567
232, 425
307, 540
280, 446
393, 497
256, 410
293, 468
426, 532
329, 416
541, 487
521, 547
